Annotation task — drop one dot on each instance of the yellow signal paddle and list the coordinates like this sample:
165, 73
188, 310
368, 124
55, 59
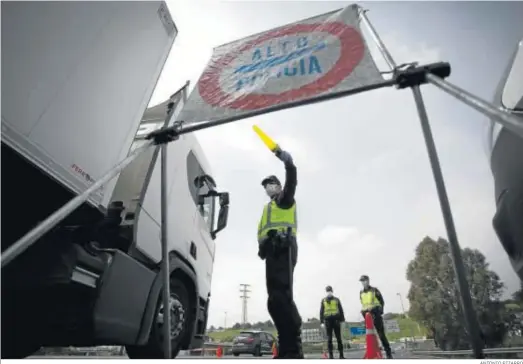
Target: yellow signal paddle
265, 139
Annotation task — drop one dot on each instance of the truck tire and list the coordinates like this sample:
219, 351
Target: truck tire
20, 351
180, 324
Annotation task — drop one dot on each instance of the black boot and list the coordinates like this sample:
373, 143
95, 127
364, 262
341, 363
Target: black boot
331, 351
295, 350
300, 347
283, 348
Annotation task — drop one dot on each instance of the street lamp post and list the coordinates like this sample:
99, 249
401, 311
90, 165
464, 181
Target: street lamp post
405, 313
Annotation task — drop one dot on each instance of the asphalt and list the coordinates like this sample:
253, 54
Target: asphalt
350, 355
401, 354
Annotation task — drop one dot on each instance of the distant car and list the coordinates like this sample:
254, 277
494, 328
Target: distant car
256, 343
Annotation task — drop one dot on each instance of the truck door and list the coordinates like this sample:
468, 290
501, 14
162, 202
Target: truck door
202, 246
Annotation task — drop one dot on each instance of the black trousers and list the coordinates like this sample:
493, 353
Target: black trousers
333, 325
281, 306
380, 328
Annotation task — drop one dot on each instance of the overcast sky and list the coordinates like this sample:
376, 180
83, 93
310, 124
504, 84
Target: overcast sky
366, 195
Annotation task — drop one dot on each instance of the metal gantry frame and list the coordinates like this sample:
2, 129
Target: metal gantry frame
470, 316
411, 77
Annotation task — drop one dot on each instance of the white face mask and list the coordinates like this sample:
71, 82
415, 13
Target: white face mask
272, 189
329, 294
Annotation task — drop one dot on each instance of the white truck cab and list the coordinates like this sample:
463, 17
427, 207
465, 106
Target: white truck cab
506, 160
76, 80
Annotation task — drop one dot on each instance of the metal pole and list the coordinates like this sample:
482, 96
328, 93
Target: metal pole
189, 128
405, 313
401, 302
32, 236
470, 316
165, 257
466, 301
377, 40
507, 120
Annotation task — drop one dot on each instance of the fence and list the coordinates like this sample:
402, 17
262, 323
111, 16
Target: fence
499, 353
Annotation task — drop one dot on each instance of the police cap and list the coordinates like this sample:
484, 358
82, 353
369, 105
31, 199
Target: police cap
364, 278
270, 179
328, 289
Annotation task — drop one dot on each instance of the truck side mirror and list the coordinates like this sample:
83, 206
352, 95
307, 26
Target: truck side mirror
223, 215
224, 198
212, 193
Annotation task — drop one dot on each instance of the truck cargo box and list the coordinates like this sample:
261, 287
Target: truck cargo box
76, 80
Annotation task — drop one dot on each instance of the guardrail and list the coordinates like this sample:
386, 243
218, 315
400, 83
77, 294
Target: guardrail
215, 345
209, 349
514, 352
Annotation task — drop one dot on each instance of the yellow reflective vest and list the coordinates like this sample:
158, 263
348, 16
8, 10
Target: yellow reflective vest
368, 300
330, 308
276, 218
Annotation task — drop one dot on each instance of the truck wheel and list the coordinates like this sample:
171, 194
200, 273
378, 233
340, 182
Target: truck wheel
180, 323
19, 351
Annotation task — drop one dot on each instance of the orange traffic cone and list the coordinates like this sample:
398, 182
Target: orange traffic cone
373, 350
274, 350
219, 352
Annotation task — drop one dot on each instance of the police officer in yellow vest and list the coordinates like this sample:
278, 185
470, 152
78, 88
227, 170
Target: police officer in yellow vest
331, 315
372, 301
277, 245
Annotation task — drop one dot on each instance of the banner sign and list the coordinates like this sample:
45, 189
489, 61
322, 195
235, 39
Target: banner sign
391, 326
323, 55
357, 330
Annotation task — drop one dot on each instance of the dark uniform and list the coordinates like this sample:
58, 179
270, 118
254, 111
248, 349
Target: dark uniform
331, 314
277, 239
372, 301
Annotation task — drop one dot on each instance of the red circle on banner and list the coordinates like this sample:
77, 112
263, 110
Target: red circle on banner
352, 50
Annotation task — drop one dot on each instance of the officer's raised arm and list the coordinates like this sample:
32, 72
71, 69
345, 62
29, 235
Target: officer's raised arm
286, 198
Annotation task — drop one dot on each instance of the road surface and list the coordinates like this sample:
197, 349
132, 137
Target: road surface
400, 354
349, 355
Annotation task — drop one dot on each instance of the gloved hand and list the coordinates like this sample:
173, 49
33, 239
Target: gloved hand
281, 241
262, 250
283, 156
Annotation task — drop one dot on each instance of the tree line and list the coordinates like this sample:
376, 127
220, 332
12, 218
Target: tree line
435, 299
310, 323
263, 326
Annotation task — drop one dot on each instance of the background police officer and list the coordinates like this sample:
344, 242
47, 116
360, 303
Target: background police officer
331, 315
277, 245
372, 301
